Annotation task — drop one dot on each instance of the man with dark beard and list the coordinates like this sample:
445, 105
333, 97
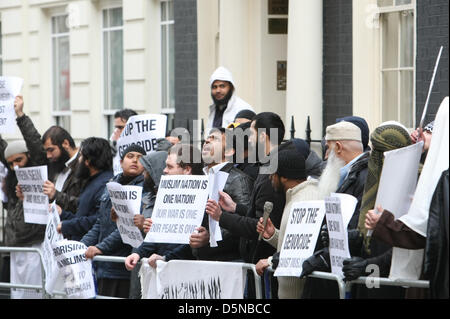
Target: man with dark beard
62, 155
226, 103
95, 166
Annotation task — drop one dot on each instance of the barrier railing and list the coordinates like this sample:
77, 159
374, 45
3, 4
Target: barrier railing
114, 259
345, 287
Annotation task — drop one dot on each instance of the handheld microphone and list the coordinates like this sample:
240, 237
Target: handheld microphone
268, 206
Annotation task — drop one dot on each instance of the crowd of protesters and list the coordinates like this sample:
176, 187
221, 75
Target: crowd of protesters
351, 163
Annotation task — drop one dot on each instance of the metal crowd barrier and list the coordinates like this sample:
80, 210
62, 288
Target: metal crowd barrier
114, 259
345, 287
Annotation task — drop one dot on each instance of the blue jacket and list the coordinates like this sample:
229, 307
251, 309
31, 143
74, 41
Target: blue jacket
74, 226
106, 237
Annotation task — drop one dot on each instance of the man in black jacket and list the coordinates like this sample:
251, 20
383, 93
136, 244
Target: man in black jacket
242, 220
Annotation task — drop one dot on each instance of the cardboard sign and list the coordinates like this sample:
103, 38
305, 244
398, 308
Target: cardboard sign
35, 203
126, 200
10, 87
300, 237
142, 130
179, 208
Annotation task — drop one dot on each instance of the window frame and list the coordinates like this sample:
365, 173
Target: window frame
58, 115
108, 113
394, 8
165, 69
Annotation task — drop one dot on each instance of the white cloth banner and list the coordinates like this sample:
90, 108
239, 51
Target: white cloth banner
35, 203
76, 269
26, 270
10, 87
142, 130
217, 182
407, 264
53, 280
337, 232
179, 208
126, 200
192, 279
300, 237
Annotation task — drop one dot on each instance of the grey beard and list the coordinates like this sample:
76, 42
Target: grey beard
329, 180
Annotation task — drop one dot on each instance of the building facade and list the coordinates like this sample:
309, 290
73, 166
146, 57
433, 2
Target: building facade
84, 59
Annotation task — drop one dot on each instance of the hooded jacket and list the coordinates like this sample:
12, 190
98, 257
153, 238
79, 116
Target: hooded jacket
235, 104
106, 237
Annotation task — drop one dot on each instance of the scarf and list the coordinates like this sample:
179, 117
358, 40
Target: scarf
386, 137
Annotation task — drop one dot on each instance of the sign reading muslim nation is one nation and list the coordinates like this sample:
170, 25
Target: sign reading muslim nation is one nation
142, 130
179, 208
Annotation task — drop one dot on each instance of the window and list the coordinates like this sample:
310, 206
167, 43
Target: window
397, 32
278, 11
61, 71
167, 61
112, 29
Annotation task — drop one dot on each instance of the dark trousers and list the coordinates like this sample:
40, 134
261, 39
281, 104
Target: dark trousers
113, 287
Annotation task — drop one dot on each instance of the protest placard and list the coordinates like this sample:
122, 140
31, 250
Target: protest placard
187, 279
142, 130
53, 280
179, 208
126, 200
35, 203
10, 87
337, 232
75, 268
299, 241
217, 182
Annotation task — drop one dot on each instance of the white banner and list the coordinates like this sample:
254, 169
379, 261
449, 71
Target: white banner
53, 280
35, 203
142, 130
126, 200
217, 182
179, 208
300, 237
337, 232
76, 269
10, 87
188, 279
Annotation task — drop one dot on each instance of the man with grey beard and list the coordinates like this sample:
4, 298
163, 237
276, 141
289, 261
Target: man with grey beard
346, 169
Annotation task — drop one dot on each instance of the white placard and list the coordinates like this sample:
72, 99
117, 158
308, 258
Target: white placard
126, 200
179, 208
398, 179
142, 130
337, 232
187, 279
299, 241
348, 205
35, 203
53, 280
10, 87
217, 182
76, 269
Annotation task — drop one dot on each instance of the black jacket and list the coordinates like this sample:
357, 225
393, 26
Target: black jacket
437, 245
354, 185
243, 222
238, 186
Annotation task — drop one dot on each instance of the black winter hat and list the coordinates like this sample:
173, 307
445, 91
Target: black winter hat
133, 148
291, 164
362, 124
